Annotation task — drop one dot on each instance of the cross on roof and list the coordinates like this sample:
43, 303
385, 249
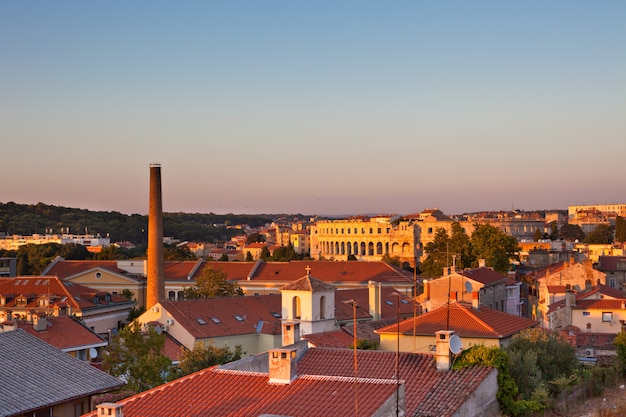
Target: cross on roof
308, 270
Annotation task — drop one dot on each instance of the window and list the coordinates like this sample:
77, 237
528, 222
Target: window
612, 283
296, 307
239, 318
216, 320
201, 321
322, 307
607, 316
586, 314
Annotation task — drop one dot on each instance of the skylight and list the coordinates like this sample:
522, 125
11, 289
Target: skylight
239, 318
405, 301
216, 320
201, 320
277, 315
389, 302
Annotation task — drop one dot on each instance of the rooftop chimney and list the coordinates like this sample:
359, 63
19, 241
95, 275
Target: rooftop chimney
482, 263
40, 323
475, 300
110, 410
282, 365
442, 349
374, 299
156, 273
291, 332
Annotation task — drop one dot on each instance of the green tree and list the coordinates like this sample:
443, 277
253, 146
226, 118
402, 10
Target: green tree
620, 345
265, 253
437, 254
508, 392
571, 232
494, 246
255, 238
537, 236
177, 253
223, 258
249, 257
620, 229
602, 234
110, 253
552, 358
201, 357
138, 357
212, 283
461, 246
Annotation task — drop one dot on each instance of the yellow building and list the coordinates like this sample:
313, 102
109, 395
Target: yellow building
366, 238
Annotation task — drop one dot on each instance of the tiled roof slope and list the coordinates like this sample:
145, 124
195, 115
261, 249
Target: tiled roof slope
34, 374
61, 292
250, 309
308, 283
388, 304
465, 321
600, 297
64, 333
344, 337
425, 387
331, 271
223, 393
483, 275
64, 269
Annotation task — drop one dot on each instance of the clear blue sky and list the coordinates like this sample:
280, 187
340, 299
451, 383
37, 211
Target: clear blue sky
319, 107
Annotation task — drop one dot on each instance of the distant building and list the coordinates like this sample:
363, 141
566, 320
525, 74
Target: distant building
93, 243
366, 239
575, 212
8, 267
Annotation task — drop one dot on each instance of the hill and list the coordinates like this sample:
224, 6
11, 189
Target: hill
41, 218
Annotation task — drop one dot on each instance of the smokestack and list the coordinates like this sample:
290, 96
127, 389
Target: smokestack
156, 273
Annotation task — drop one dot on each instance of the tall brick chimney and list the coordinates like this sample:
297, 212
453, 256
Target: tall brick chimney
156, 274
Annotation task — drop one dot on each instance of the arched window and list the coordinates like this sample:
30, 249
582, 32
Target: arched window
171, 295
322, 307
296, 307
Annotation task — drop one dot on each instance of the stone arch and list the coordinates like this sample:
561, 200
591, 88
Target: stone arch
296, 307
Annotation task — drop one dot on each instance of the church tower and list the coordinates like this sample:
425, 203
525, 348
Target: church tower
156, 273
309, 303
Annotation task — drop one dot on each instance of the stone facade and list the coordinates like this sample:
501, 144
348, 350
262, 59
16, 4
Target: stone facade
367, 238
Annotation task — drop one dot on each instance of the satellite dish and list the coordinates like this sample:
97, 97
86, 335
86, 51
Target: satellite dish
468, 287
456, 345
158, 329
93, 353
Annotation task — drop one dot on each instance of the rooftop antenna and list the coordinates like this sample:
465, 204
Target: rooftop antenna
356, 364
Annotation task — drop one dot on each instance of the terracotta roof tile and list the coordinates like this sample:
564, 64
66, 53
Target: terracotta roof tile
252, 309
483, 275
308, 283
465, 321
65, 333
324, 387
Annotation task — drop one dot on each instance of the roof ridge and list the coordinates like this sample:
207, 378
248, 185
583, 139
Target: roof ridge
470, 312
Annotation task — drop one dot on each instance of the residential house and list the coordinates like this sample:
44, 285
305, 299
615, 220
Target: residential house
547, 286
65, 333
600, 309
300, 381
474, 324
615, 269
37, 379
21, 297
460, 286
8, 267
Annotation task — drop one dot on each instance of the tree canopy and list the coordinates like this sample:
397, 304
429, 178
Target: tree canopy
602, 234
138, 357
212, 283
571, 232
494, 246
487, 242
620, 229
201, 357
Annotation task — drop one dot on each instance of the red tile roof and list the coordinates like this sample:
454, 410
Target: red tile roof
600, 297
65, 269
61, 293
484, 275
465, 321
611, 263
224, 393
426, 389
251, 309
331, 271
388, 304
324, 387
308, 283
64, 333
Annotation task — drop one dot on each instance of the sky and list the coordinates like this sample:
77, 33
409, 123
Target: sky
313, 107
